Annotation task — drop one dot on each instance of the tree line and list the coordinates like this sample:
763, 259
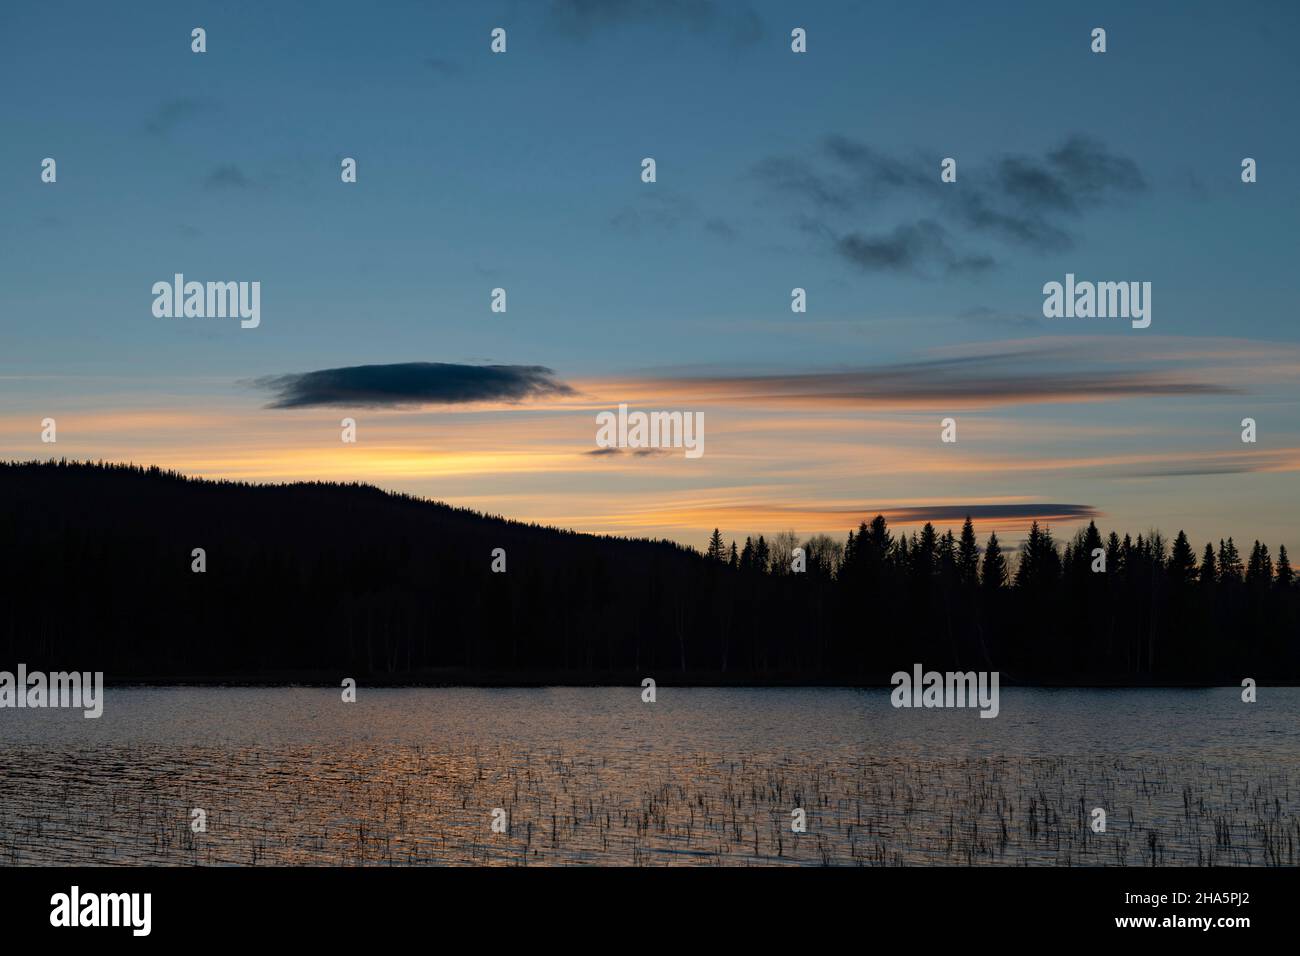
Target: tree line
1114, 609
318, 581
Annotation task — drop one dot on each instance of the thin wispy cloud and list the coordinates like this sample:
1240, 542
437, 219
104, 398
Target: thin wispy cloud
667, 211
632, 452
733, 19
919, 513
175, 112
984, 315
969, 381
447, 69
227, 176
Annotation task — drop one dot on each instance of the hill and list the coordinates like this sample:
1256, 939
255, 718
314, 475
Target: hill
315, 582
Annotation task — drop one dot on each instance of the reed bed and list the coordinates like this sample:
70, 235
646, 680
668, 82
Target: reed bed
401, 805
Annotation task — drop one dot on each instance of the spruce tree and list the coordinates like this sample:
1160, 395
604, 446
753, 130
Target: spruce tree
1285, 577
1209, 570
1182, 561
1259, 570
1229, 563
717, 550
968, 556
993, 576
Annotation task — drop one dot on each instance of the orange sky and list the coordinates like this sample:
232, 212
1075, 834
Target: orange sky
779, 456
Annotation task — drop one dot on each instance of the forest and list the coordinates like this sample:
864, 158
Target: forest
313, 582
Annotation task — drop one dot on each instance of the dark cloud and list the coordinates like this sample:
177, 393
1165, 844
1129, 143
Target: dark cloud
412, 383
731, 18
661, 209
1243, 464
1018, 513
636, 452
969, 381
800, 179
1029, 201
442, 67
912, 248
875, 172
227, 176
974, 210
720, 228
654, 208
1040, 511
1089, 169
176, 111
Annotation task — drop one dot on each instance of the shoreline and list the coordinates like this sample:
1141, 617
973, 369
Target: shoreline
452, 678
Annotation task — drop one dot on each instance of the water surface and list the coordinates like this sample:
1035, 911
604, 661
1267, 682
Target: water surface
701, 776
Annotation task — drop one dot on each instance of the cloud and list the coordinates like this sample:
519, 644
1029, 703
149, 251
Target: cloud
1001, 515
800, 179
1027, 511
580, 19
909, 248
1089, 170
227, 176
176, 111
984, 315
635, 452
1012, 374
656, 208
1033, 511
411, 384
443, 67
720, 228
661, 209
1021, 200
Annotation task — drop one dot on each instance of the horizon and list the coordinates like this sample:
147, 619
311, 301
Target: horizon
1011, 547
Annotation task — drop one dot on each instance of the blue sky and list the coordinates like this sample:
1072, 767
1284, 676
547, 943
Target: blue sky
522, 171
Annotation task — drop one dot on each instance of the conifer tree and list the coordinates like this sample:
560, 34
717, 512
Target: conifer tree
1209, 572
1182, 561
1229, 563
968, 556
993, 576
717, 550
1285, 577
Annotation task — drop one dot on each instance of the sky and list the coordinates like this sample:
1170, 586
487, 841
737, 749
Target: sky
775, 170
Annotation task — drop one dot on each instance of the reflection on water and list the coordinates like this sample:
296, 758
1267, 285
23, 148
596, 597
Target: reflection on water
703, 776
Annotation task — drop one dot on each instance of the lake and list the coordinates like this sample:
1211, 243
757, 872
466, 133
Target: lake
702, 776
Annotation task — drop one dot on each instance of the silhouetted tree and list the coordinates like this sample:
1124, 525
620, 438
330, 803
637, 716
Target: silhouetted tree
1208, 573
1285, 577
994, 573
1259, 570
1182, 562
1229, 563
717, 551
968, 555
